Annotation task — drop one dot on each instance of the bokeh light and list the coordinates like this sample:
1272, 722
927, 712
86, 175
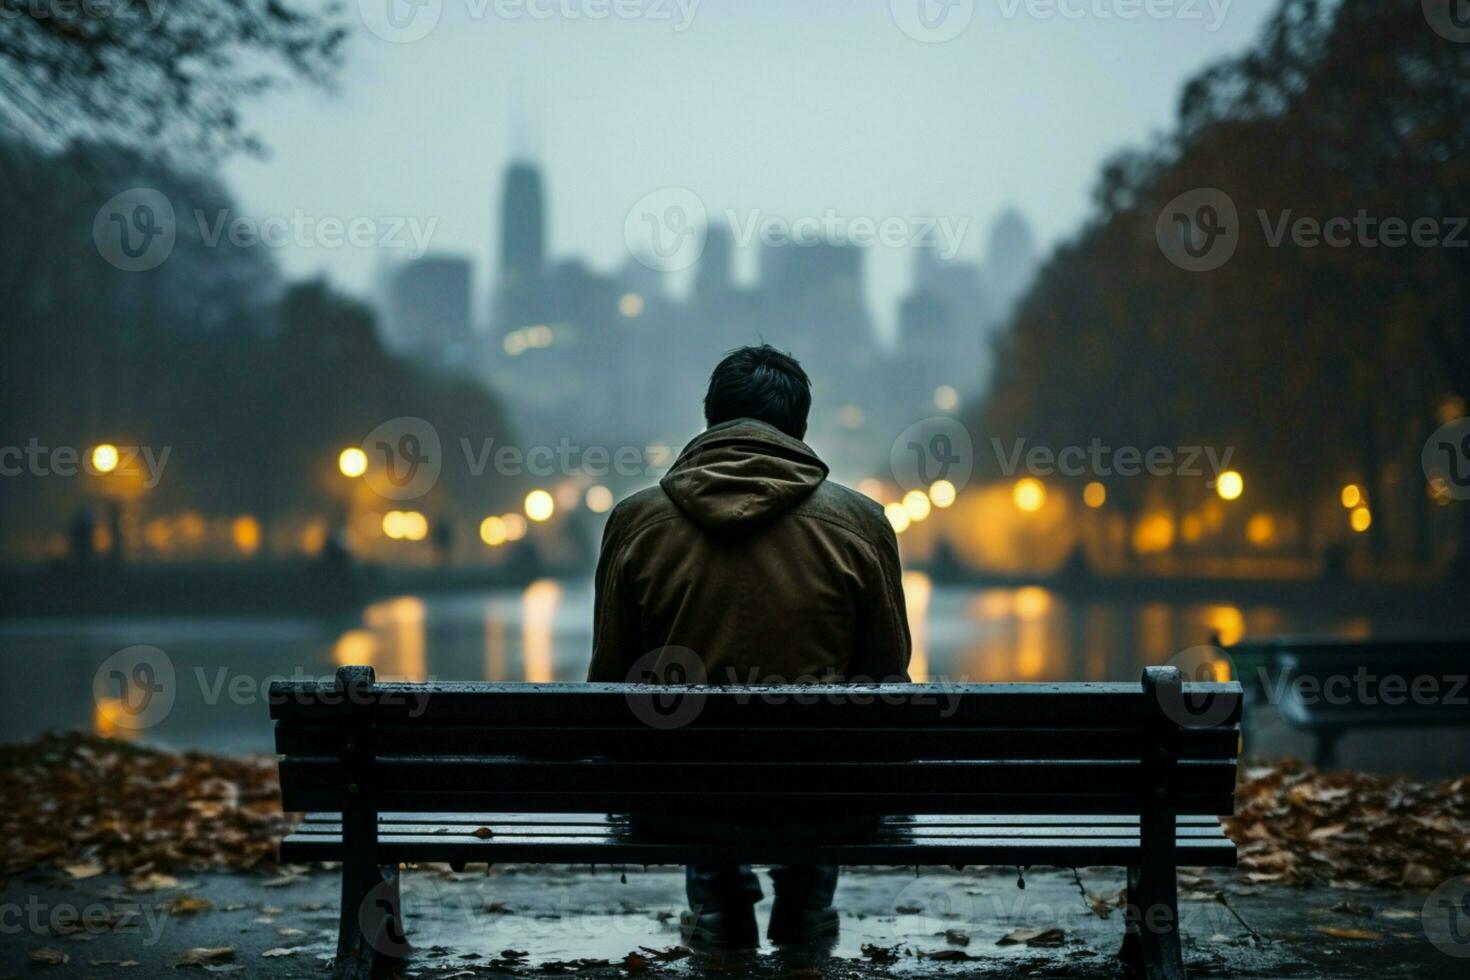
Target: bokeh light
540, 505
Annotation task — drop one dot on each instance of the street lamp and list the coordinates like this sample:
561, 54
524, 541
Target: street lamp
1230, 485
352, 462
104, 457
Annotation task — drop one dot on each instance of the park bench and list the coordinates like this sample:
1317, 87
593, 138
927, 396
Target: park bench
1329, 686
1100, 775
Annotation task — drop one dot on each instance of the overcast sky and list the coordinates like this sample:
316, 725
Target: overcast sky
770, 108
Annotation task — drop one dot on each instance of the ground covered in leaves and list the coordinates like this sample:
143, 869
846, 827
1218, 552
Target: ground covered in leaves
90, 805
1296, 825
87, 805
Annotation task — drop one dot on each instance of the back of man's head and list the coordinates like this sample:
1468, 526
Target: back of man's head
760, 383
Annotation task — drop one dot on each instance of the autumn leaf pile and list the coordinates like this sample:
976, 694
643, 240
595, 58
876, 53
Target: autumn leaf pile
74, 799
1299, 826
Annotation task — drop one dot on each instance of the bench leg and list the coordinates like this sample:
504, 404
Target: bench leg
370, 935
1151, 943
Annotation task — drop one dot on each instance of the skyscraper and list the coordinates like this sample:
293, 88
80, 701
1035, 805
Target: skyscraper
1010, 260
429, 308
522, 222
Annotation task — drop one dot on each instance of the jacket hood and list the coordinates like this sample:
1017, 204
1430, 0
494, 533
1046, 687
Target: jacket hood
740, 473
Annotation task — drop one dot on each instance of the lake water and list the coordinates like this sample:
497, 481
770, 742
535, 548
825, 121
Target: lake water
71, 669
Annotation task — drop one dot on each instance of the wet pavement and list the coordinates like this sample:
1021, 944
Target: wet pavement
575, 921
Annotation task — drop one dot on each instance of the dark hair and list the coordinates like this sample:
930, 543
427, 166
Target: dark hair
760, 383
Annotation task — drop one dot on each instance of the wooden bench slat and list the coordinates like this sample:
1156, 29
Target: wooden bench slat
924, 819
596, 850
771, 804
552, 831
805, 706
463, 776
875, 744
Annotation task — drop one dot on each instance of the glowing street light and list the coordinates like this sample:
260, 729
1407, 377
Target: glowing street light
1094, 495
1029, 494
916, 503
898, 516
515, 526
539, 505
492, 531
1361, 519
1352, 496
352, 462
599, 499
942, 493
104, 457
1230, 485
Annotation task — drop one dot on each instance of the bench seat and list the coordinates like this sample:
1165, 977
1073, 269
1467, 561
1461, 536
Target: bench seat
571, 838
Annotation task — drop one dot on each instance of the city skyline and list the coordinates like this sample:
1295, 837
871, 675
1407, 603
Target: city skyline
1052, 100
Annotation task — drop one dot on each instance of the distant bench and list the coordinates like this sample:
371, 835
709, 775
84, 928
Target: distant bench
502, 773
1329, 686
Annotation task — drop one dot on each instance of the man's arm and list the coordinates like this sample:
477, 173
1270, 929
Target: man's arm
616, 628
883, 644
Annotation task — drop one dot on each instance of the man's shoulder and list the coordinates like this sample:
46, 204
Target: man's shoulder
859, 513
647, 506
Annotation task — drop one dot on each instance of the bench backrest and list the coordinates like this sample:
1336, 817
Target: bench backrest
1078, 748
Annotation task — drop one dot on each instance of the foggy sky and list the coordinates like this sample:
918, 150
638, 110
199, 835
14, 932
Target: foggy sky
787, 108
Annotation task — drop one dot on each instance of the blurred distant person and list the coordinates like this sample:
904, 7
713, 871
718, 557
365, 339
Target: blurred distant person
749, 556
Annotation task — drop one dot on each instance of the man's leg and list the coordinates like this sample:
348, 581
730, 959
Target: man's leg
722, 901
803, 910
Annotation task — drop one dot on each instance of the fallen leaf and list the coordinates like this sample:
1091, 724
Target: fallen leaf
48, 955
483, 833
948, 956
80, 871
189, 904
1337, 933
281, 951
152, 882
205, 955
1032, 937
880, 954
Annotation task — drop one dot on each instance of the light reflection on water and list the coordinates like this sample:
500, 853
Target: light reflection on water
543, 633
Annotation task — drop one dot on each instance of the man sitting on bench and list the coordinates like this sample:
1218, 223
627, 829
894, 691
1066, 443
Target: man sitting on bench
748, 556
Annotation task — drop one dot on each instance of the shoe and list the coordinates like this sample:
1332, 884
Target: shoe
792, 924
721, 928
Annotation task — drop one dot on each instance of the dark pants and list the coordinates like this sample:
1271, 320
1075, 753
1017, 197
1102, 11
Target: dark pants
724, 886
